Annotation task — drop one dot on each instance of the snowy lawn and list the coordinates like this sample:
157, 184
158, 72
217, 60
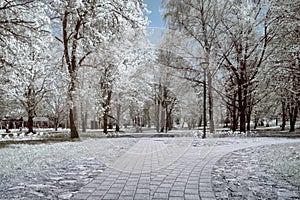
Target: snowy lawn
284, 161
264, 172
52, 170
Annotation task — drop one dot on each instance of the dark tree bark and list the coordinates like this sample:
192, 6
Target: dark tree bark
105, 122
283, 109
72, 65
105, 105
74, 133
84, 120
210, 103
118, 117
293, 118
248, 117
30, 124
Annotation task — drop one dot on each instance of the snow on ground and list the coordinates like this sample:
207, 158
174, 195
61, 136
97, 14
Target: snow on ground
264, 172
57, 169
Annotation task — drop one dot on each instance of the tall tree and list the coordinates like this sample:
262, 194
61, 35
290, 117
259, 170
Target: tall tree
244, 36
19, 21
30, 79
198, 20
87, 24
285, 59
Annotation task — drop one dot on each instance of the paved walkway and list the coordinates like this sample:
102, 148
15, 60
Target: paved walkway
160, 168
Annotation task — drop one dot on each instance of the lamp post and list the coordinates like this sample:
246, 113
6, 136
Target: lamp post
205, 64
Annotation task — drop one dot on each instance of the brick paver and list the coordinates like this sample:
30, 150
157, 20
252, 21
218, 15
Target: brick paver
156, 169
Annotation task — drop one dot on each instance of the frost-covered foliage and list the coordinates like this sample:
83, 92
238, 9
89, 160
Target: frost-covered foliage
19, 22
285, 58
238, 38
31, 77
90, 29
22, 26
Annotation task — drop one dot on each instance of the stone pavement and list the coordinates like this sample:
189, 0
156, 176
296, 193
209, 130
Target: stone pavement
164, 168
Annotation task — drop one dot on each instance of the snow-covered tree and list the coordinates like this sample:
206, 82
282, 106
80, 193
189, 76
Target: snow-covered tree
285, 58
86, 26
244, 36
198, 20
29, 80
20, 20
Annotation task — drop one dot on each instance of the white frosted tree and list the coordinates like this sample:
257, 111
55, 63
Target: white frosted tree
85, 26
29, 80
198, 20
285, 58
19, 22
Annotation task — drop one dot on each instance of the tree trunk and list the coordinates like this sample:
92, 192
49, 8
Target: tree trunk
162, 120
157, 112
293, 118
233, 115
105, 123
234, 123
248, 116
200, 121
30, 123
292, 125
70, 55
83, 118
283, 108
56, 124
74, 133
242, 110
210, 103
242, 121
118, 117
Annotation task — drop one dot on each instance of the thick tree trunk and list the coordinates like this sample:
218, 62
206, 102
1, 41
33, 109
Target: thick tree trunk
117, 127
30, 123
293, 118
170, 120
70, 55
292, 125
248, 121
56, 124
234, 123
74, 133
106, 111
242, 121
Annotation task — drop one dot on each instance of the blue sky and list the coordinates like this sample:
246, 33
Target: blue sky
156, 25
155, 16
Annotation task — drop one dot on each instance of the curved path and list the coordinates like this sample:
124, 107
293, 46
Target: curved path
164, 168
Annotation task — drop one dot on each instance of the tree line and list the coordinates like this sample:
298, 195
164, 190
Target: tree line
248, 52
73, 58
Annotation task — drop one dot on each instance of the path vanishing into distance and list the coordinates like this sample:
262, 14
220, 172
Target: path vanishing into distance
167, 168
